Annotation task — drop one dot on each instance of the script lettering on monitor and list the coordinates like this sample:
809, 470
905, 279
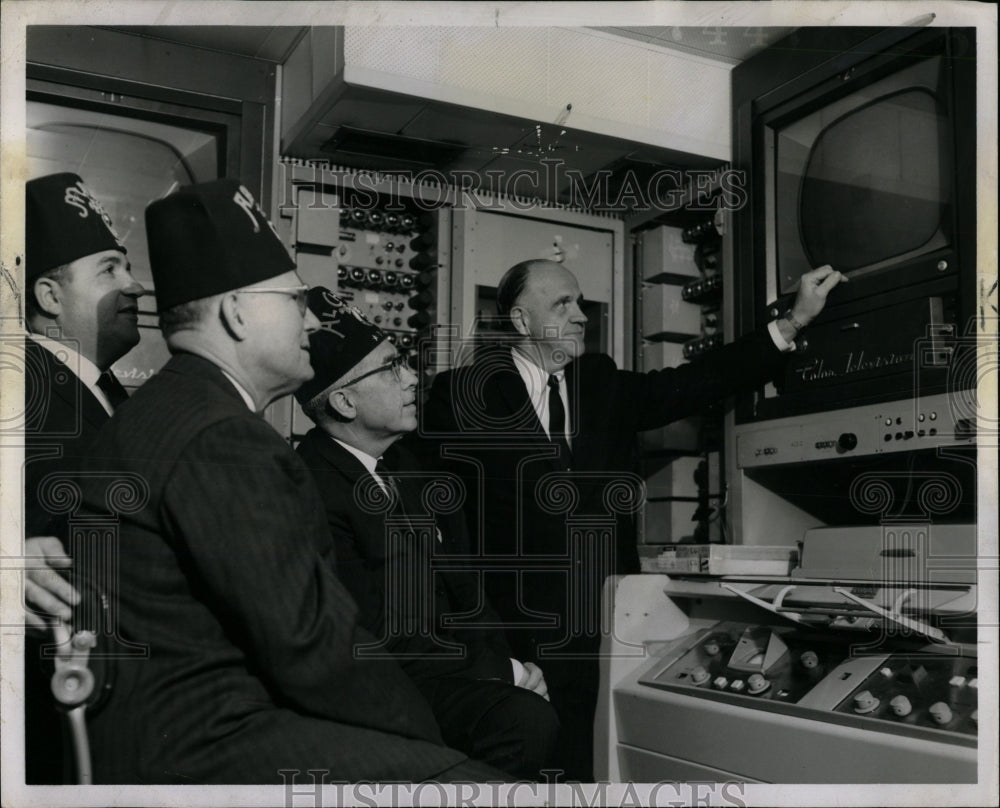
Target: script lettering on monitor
853, 363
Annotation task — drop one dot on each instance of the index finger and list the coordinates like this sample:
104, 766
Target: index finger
535, 677
818, 274
830, 281
51, 582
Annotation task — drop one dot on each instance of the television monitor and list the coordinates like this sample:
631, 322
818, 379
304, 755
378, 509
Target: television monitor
865, 181
858, 149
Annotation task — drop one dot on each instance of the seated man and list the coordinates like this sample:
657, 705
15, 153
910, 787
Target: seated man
224, 567
363, 399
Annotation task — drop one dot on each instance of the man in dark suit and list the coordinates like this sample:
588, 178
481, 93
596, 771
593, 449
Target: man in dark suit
225, 569
392, 550
544, 437
81, 310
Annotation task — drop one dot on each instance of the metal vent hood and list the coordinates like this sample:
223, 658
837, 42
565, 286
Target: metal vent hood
480, 100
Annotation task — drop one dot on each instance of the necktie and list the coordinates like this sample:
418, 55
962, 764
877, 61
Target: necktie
387, 479
557, 420
402, 492
112, 388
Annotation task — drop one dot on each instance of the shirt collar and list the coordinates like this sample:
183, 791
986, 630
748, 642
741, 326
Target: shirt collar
247, 398
529, 369
366, 459
86, 370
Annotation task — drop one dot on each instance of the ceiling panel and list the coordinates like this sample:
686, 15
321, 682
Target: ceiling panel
731, 44
272, 44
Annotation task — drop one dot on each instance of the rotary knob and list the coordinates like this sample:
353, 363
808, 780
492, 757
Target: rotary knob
699, 675
940, 713
757, 684
865, 702
809, 660
901, 706
847, 441
711, 647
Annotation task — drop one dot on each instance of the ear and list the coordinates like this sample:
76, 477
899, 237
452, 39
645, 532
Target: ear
48, 294
233, 316
341, 403
518, 318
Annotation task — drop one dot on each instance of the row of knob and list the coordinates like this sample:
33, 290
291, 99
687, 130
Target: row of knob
420, 261
386, 221
755, 684
702, 289
706, 230
940, 712
701, 345
378, 279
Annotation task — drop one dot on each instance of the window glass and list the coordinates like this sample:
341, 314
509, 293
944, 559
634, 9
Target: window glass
127, 162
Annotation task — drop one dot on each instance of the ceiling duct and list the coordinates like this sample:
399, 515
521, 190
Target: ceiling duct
354, 147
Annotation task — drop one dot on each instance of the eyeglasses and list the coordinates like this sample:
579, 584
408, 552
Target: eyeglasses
395, 367
299, 293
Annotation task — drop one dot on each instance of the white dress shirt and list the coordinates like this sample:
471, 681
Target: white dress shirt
367, 461
536, 380
780, 342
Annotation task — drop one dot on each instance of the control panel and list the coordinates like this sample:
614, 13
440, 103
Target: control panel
801, 672
386, 266
377, 251
932, 421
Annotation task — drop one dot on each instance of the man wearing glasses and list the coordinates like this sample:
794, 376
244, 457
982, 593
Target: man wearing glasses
393, 548
225, 566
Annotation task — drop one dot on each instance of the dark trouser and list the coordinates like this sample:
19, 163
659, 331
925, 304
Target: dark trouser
499, 724
472, 771
573, 686
45, 747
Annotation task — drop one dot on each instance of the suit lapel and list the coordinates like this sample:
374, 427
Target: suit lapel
509, 388
353, 471
516, 408
578, 413
72, 392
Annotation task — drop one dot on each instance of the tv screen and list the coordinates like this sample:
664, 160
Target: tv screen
865, 181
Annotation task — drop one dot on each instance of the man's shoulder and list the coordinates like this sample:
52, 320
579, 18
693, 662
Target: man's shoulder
596, 361
188, 397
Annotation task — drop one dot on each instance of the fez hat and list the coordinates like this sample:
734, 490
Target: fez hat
63, 222
344, 337
208, 239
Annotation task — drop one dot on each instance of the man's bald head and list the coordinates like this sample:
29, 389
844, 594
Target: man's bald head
541, 300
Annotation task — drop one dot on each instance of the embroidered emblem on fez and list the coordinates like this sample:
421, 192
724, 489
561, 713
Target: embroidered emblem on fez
331, 319
244, 199
79, 196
